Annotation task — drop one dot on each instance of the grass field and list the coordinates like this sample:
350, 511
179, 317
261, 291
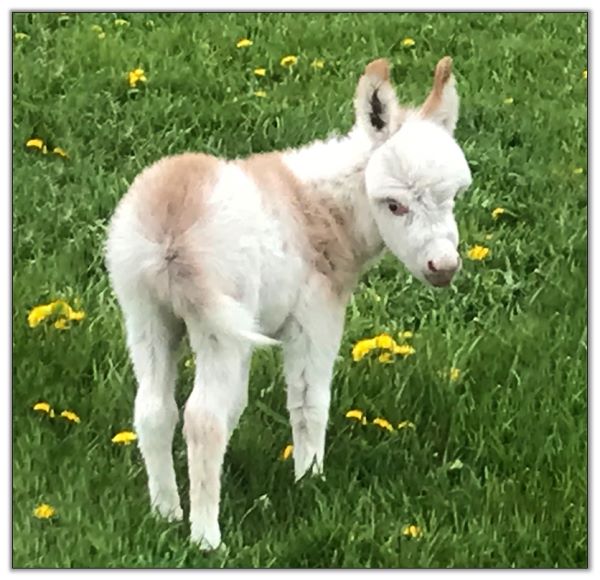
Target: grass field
494, 472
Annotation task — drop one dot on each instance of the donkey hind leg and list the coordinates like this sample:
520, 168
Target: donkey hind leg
211, 414
153, 335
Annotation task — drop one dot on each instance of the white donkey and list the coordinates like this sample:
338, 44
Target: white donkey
267, 250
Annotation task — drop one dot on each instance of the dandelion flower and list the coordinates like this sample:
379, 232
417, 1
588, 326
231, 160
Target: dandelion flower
58, 308
44, 511
136, 76
362, 348
287, 452
478, 252
244, 43
261, 94
383, 423
454, 374
408, 42
260, 72
21, 36
355, 414
124, 438
60, 152
71, 416
578, 170
412, 531
44, 407
385, 357
404, 349
317, 63
508, 101
583, 72
37, 144
498, 212
406, 425
384, 341
289, 60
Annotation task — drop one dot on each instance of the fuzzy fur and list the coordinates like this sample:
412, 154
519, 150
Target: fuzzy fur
268, 249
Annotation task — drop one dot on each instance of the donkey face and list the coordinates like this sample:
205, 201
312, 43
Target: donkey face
413, 178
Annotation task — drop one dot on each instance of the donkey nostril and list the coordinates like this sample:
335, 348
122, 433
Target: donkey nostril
431, 266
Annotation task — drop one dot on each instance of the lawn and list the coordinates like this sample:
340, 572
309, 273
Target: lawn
494, 472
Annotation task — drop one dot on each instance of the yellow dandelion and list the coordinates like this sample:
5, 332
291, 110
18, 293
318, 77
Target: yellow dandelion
406, 425
412, 531
508, 101
62, 324
124, 438
362, 348
578, 170
21, 36
58, 308
120, 22
454, 374
583, 72
317, 63
244, 43
408, 42
478, 252
289, 60
60, 152
385, 341
37, 144
404, 349
136, 76
287, 452
261, 94
355, 414
44, 511
39, 313
71, 416
383, 423
44, 407
385, 357
498, 212
260, 72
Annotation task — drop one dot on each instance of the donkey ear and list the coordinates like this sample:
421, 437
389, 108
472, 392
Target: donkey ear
375, 101
441, 106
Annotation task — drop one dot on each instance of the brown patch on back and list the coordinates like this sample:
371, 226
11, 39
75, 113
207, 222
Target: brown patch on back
441, 76
379, 68
169, 198
170, 194
325, 228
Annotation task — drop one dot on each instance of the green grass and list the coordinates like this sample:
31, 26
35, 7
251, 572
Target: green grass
515, 324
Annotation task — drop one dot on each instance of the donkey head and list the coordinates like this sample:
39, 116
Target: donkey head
415, 172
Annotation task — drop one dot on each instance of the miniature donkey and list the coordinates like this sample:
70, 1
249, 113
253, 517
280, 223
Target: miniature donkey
266, 250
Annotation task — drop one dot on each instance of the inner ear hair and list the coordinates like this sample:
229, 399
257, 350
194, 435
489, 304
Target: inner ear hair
377, 110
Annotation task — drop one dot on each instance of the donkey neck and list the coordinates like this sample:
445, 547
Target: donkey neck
332, 173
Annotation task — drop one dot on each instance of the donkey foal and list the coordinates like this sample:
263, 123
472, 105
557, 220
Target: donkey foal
267, 250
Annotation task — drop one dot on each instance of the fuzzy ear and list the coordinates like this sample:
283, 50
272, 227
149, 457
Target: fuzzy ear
441, 105
375, 101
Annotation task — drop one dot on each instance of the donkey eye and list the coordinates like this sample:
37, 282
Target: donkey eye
397, 208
